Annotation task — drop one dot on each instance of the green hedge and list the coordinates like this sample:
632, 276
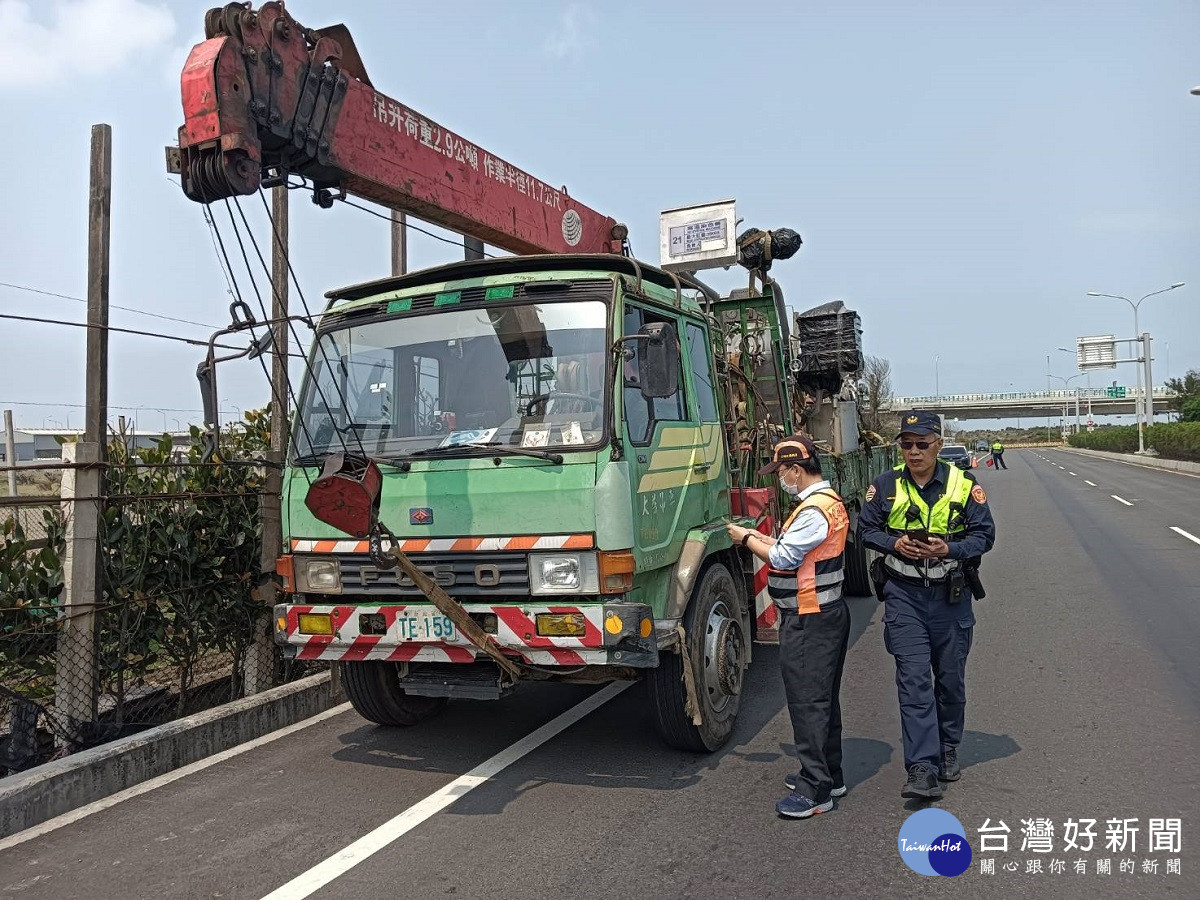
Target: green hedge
1176, 440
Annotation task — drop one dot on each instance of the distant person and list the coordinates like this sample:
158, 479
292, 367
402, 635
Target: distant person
998, 454
932, 522
805, 581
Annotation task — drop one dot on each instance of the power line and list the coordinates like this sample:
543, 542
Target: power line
111, 406
164, 337
407, 224
140, 312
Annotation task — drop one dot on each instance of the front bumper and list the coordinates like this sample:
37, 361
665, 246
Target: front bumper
616, 633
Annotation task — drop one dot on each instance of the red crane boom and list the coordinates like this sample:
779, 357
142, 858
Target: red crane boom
263, 96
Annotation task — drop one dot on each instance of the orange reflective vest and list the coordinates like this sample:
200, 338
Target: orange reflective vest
818, 581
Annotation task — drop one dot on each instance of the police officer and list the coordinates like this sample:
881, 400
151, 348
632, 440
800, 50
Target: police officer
998, 455
932, 521
804, 580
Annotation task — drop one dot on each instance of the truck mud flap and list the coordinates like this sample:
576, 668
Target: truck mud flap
478, 681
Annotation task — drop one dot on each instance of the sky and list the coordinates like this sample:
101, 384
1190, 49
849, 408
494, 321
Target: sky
962, 173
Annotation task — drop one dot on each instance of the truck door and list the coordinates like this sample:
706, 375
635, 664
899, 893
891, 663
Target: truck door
665, 445
711, 465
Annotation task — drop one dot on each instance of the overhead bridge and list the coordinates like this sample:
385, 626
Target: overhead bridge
1013, 405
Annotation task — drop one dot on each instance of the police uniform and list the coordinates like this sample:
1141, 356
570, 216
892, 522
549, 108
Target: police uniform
998, 455
928, 616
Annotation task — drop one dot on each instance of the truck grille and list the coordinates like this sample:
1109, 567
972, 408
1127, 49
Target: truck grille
461, 575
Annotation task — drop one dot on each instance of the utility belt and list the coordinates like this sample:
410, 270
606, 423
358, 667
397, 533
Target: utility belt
958, 577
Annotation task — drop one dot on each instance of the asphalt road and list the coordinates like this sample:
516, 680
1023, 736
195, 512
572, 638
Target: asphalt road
1084, 704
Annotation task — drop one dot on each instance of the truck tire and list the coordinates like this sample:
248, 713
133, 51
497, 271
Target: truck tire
374, 690
716, 646
857, 570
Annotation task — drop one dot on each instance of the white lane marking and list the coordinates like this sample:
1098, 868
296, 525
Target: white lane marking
1189, 536
1120, 500
1092, 483
344, 860
138, 789
1072, 474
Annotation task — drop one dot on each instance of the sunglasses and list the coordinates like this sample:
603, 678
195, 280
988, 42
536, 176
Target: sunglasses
920, 445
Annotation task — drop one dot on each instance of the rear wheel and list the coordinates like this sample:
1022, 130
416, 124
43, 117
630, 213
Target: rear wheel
716, 645
375, 693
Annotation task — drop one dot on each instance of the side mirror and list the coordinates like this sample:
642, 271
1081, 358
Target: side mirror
658, 360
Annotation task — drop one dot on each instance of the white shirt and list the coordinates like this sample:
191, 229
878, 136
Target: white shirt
807, 532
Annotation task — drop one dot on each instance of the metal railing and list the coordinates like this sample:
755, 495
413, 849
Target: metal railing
1050, 398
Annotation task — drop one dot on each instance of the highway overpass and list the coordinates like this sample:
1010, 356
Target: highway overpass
1033, 403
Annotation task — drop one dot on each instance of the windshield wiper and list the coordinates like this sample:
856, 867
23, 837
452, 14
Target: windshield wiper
481, 449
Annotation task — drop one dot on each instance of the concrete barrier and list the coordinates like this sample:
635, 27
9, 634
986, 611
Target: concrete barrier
1149, 462
29, 798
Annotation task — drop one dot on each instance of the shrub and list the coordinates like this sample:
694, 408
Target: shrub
1172, 440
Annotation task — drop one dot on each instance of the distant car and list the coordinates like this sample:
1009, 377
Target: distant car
982, 446
956, 454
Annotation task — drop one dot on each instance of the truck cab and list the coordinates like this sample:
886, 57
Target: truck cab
549, 436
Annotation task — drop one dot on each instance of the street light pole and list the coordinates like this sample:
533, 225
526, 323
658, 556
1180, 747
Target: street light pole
937, 383
1066, 384
1143, 407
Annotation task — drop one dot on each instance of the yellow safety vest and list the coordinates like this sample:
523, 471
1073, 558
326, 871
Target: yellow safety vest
945, 519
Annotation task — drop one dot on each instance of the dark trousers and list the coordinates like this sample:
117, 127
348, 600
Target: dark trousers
998, 460
812, 653
930, 640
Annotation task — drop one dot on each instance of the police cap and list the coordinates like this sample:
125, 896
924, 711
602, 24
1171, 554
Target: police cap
920, 421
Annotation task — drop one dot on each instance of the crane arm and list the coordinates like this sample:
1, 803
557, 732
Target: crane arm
263, 97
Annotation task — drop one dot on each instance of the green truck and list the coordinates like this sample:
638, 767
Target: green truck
556, 443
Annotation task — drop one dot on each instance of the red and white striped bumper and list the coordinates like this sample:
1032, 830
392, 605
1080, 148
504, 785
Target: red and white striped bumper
765, 612
614, 635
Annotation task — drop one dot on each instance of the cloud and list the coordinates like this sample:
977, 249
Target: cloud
572, 33
79, 38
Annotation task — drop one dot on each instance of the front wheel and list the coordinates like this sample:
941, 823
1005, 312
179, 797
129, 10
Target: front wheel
716, 646
373, 687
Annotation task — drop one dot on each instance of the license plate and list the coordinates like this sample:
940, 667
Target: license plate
424, 625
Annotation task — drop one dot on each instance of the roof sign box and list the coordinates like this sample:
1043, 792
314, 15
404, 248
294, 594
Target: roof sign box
1096, 352
697, 237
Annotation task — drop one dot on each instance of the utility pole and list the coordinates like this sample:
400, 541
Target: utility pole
10, 453
260, 657
399, 243
75, 692
472, 248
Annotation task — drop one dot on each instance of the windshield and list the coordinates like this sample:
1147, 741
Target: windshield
954, 450
528, 375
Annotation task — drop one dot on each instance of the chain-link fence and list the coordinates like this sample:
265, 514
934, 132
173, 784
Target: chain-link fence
178, 624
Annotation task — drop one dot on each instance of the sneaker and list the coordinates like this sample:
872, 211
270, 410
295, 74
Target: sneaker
793, 778
922, 783
951, 770
797, 806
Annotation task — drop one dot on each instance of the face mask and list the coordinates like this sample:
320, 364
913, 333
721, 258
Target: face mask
792, 490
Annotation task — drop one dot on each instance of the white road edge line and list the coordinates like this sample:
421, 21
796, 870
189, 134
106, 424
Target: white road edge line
1188, 535
1120, 500
1122, 462
146, 786
1092, 483
344, 860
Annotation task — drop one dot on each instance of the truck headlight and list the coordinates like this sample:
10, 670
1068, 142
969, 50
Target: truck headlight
318, 576
563, 573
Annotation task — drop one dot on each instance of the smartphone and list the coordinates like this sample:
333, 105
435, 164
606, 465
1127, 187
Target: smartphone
919, 534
